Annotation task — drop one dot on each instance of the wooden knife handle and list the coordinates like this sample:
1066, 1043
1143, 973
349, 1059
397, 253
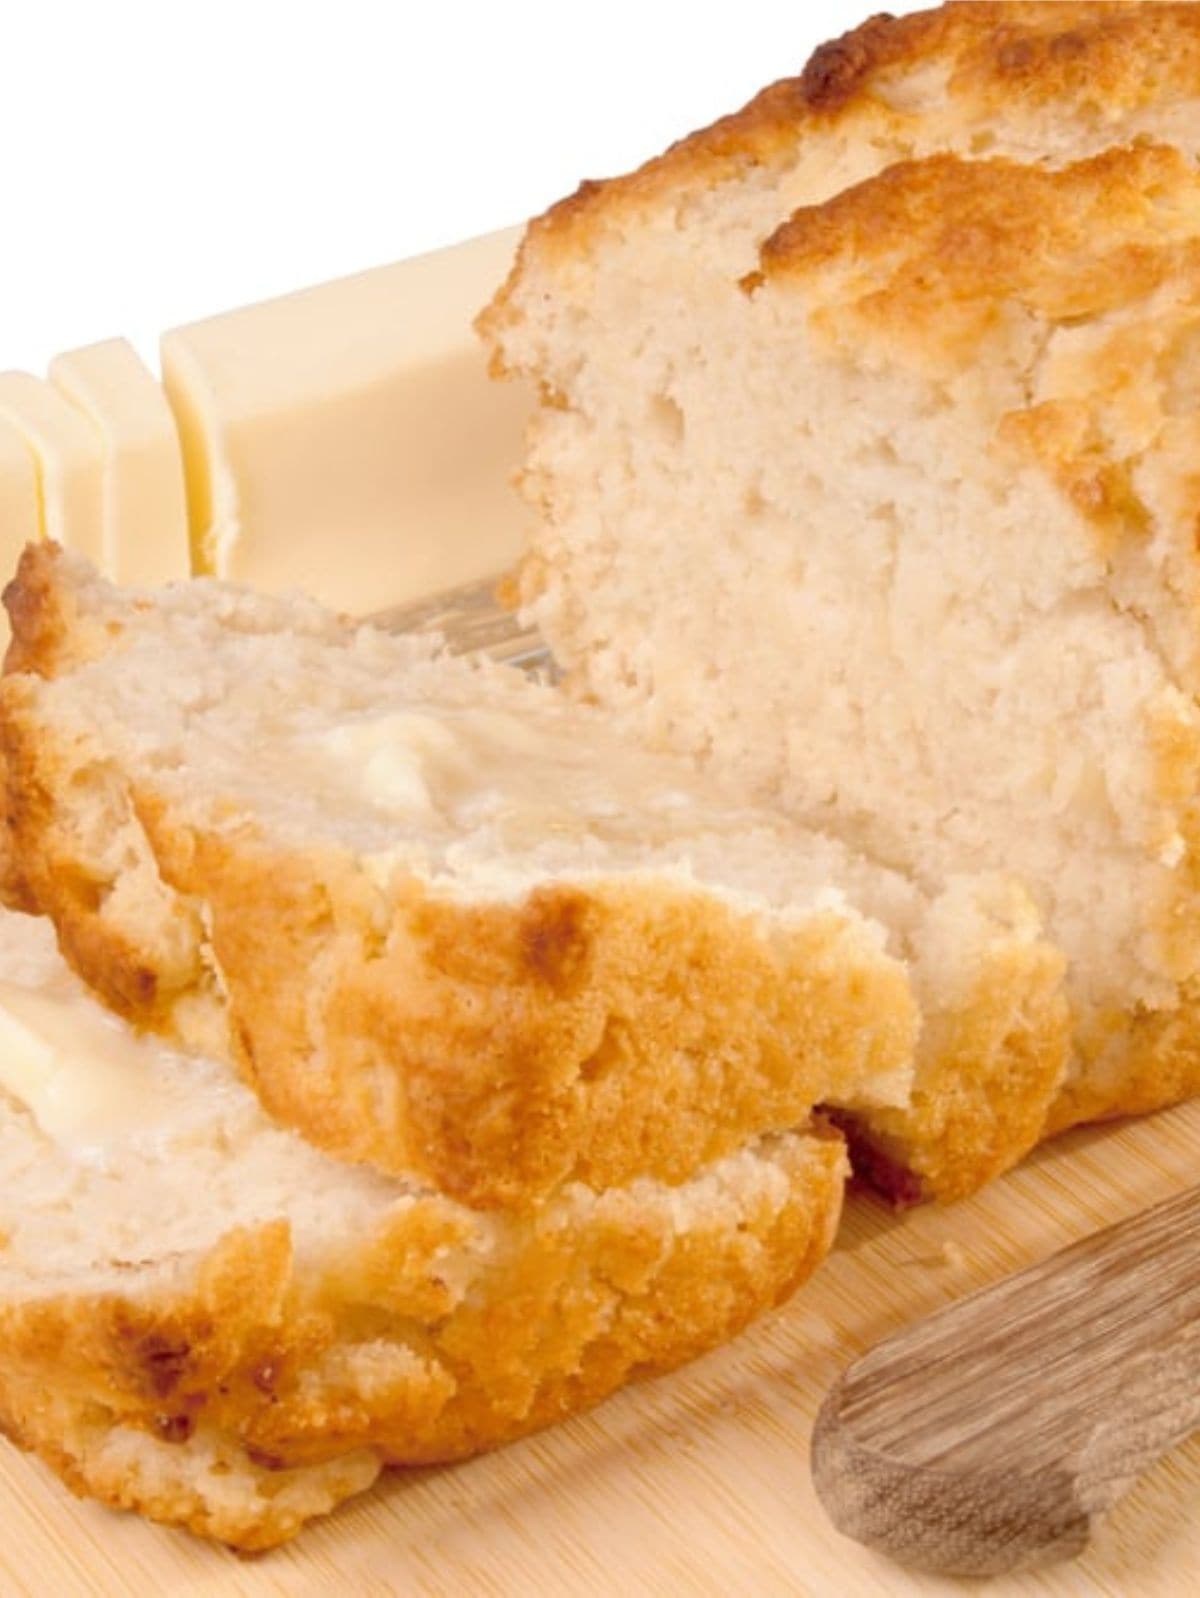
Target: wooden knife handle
988, 1436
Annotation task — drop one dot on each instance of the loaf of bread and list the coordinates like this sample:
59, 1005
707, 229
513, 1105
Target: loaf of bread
205, 1319
445, 922
867, 472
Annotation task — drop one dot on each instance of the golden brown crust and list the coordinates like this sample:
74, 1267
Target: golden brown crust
1088, 59
1116, 54
966, 1126
1133, 1063
32, 602
50, 629
78, 891
296, 1365
987, 1082
252, 1509
937, 251
623, 1028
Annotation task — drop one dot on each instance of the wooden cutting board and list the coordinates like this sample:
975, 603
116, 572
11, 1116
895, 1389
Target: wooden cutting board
698, 1482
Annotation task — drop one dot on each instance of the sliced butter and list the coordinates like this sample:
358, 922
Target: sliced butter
346, 439
143, 503
20, 517
68, 458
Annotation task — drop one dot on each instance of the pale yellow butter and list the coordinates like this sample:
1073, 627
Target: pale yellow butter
144, 507
451, 767
68, 459
346, 439
90, 1082
20, 518
395, 759
86, 1079
444, 764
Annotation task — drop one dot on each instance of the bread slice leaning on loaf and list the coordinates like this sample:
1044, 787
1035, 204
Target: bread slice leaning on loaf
446, 922
882, 399
205, 1319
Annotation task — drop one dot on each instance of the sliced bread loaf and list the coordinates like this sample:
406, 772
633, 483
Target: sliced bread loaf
446, 922
205, 1319
901, 445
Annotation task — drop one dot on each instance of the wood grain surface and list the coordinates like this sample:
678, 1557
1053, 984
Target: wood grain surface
698, 1482
990, 1435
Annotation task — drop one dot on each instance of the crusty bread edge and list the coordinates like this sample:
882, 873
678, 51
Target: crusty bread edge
993, 1066
252, 1353
1002, 50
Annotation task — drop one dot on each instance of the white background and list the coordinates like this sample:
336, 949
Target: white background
163, 161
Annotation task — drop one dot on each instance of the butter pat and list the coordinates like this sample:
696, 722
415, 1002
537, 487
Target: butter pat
87, 1080
144, 509
439, 770
68, 461
394, 758
453, 765
20, 519
346, 439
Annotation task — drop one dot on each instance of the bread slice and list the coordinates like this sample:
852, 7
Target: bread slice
205, 1319
445, 922
880, 398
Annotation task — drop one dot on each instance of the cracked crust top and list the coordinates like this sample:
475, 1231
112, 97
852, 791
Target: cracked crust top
937, 250
957, 65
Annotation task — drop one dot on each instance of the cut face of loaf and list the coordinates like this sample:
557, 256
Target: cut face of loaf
901, 445
446, 922
205, 1319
